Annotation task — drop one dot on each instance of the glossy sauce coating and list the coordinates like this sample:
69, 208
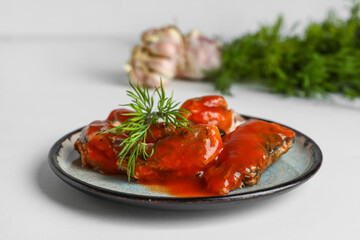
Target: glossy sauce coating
185, 153
117, 115
248, 151
209, 110
191, 163
158, 130
99, 151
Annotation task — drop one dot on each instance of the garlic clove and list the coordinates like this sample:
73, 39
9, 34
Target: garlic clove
165, 49
201, 54
166, 42
163, 66
167, 33
143, 77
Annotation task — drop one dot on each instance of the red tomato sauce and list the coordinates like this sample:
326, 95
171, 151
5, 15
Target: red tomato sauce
190, 163
209, 110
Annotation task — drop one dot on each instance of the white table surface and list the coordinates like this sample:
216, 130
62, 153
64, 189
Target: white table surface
50, 86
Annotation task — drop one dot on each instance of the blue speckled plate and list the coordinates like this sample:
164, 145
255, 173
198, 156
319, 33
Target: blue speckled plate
295, 167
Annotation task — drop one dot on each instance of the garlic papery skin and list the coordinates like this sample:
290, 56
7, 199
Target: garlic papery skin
166, 53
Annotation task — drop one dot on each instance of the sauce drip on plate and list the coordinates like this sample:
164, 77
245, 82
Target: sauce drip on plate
191, 163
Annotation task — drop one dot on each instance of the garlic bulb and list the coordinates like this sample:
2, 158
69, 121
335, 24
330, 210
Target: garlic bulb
166, 53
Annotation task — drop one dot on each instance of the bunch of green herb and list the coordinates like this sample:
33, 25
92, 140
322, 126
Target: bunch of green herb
324, 59
146, 114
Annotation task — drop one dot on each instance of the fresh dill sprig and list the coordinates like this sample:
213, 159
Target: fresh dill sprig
138, 125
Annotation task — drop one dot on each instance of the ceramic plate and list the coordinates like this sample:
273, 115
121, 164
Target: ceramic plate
295, 167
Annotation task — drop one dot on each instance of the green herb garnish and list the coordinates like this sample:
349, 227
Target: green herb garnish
138, 126
324, 59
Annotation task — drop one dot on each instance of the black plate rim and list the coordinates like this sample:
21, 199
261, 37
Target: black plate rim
122, 196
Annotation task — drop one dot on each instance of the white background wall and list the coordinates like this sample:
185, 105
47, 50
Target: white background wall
113, 18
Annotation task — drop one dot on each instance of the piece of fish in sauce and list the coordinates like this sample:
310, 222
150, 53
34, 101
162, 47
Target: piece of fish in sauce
248, 151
